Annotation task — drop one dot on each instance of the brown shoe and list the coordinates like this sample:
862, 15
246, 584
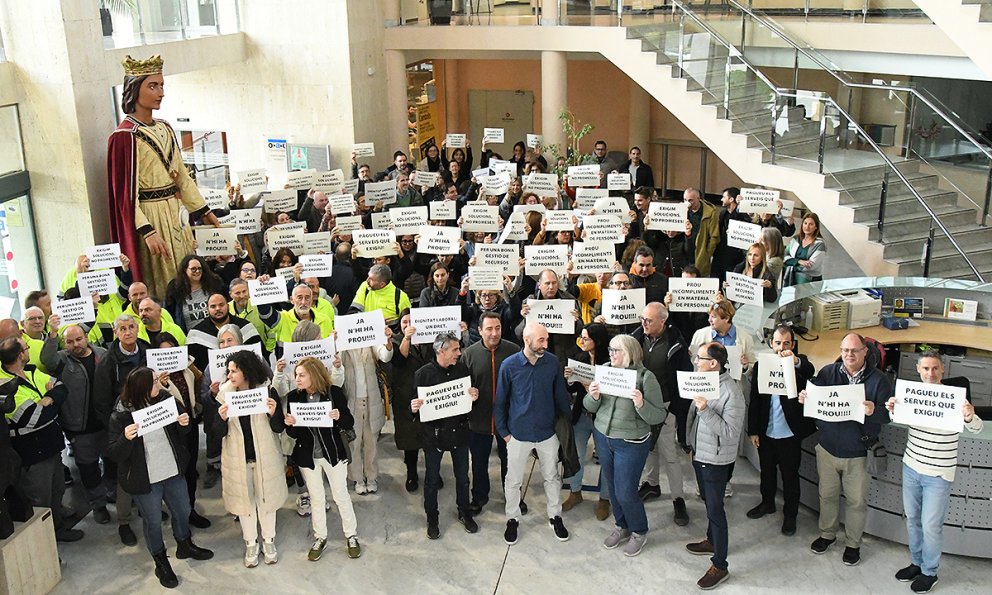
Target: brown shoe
713, 577
701, 548
572, 501
602, 510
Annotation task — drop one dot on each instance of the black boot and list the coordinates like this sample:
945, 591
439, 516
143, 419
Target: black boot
163, 570
186, 549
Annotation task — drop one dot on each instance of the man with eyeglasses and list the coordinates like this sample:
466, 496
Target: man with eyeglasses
842, 450
490, 301
647, 276
136, 292
377, 292
34, 334
562, 345
589, 294
619, 281
241, 307
665, 352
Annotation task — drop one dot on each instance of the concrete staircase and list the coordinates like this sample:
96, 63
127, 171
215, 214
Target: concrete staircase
846, 197
968, 23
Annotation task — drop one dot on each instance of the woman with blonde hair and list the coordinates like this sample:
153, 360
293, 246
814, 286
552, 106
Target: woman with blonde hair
771, 239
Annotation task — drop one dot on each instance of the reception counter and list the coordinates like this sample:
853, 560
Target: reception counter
968, 525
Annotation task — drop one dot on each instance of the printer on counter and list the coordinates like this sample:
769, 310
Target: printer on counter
864, 308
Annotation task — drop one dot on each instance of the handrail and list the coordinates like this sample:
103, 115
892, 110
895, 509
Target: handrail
781, 93
842, 77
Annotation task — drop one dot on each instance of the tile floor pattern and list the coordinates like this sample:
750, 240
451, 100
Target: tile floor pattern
398, 558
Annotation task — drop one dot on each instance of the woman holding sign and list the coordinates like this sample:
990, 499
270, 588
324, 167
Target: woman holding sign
805, 254
320, 450
754, 266
622, 431
253, 470
150, 466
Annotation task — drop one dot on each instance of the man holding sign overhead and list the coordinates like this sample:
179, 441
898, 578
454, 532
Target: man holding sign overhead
841, 455
776, 426
928, 463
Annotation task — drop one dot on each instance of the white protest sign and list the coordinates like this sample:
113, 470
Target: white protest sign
312, 415
425, 178
430, 322
248, 220
443, 210
252, 181
329, 181
555, 315
317, 265
542, 184
215, 199
492, 135
618, 182
341, 204
935, 406
103, 282
382, 220
285, 273
592, 258
247, 402
479, 216
104, 256
485, 278
788, 207
278, 239
374, 242
496, 185
439, 240
480, 174
156, 416
583, 175
218, 358
75, 310
365, 329
363, 149
539, 258
170, 359
667, 216
623, 306
585, 198
559, 220
499, 167
445, 400
744, 289
734, 366
742, 235
776, 375
758, 200
454, 141
527, 208
350, 187
613, 205
215, 241
273, 292
692, 294
281, 200
514, 230
384, 192
505, 257
318, 241
699, 384
294, 351
535, 140
345, 225
408, 220
618, 382
302, 179
603, 228
301, 225
835, 403
584, 373
750, 318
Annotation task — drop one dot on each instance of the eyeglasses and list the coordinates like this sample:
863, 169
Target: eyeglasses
847, 351
488, 295
613, 350
195, 269
408, 242
646, 320
248, 269
624, 283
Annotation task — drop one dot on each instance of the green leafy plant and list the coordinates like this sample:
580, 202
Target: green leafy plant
126, 7
574, 132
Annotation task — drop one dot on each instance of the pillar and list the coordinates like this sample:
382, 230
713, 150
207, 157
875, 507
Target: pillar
391, 13
639, 126
549, 12
396, 102
554, 96
452, 99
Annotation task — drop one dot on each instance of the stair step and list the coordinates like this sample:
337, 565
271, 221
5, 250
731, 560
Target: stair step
867, 176
763, 121
967, 237
924, 184
949, 265
906, 227
901, 205
797, 133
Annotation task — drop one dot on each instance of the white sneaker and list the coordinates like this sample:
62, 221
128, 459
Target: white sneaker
269, 551
372, 486
251, 554
360, 488
728, 491
303, 504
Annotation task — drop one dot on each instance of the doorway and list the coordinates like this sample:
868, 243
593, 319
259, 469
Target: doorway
513, 111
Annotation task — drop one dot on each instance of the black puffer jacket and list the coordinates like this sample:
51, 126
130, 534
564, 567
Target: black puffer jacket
132, 469
331, 442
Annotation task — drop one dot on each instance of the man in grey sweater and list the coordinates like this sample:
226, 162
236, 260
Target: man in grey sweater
713, 431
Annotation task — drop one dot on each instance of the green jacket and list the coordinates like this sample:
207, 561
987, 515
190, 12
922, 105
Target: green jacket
616, 417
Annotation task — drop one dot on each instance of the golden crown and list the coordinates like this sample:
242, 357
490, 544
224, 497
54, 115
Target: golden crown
134, 67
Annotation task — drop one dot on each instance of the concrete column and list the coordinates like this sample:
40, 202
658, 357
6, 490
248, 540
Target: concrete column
554, 96
396, 102
639, 127
549, 12
452, 99
391, 13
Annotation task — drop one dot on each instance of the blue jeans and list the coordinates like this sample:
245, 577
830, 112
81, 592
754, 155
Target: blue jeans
173, 492
925, 499
713, 480
583, 431
480, 448
621, 463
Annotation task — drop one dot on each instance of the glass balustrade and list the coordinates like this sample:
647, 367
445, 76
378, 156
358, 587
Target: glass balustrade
129, 23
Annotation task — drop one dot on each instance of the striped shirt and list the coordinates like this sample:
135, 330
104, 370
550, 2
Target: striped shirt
935, 452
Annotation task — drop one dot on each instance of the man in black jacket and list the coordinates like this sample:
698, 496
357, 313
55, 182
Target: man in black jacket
665, 352
776, 426
548, 288
445, 434
640, 172
646, 275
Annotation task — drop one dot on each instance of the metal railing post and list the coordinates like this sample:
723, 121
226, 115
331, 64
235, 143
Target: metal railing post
141, 24
726, 86
806, 10
216, 18
775, 116
881, 205
988, 195
928, 253
681, 44
795, 71
183, 18
908, 134
821, 149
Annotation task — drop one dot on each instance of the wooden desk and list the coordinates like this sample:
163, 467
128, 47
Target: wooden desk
826, 349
